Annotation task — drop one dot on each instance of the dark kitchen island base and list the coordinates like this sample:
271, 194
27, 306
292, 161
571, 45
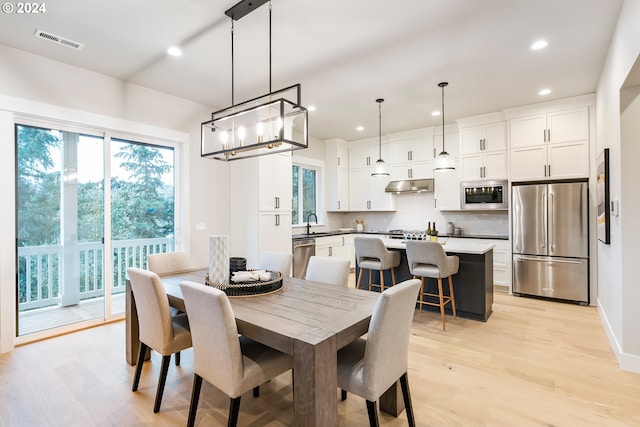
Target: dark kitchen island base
472, 285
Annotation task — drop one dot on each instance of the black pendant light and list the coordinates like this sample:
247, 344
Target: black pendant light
444, 161
380, 168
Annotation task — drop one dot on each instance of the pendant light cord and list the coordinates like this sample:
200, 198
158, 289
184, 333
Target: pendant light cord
270, 90
443, 85
232, 68
379, 129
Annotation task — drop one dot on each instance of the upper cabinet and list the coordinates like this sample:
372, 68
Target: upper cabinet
337, 175
553, 145
366, 192
451, 141
366, 155
484, 151
275, 184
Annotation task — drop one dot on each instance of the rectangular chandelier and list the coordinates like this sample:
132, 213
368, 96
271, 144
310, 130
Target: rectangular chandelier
264, 125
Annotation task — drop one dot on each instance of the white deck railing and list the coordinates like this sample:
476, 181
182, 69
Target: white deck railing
40, 276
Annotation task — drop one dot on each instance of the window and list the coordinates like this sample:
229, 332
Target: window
305, 193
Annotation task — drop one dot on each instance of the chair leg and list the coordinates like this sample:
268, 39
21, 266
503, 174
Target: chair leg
453, 298
406, 395
195, 396
256, 391
343, 394
372, 409
393, 276
234, 409
142, 351
163, 378
441, 295
381, 281
421, 292
360, 278
370, 273
177, 358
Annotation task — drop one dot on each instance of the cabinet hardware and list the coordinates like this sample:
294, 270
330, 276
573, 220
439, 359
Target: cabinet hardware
410, 173
277, 202
549, 170
330, 250
368, 204
338, 204
480, 171
338, 161
368, 161
410, 155
277, 220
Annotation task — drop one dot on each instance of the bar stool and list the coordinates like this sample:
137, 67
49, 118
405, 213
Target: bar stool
428, 259
373, 255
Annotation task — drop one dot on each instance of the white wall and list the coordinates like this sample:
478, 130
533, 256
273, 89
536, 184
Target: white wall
34, 85
618, 300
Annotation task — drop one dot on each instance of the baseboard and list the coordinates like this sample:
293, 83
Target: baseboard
626, 361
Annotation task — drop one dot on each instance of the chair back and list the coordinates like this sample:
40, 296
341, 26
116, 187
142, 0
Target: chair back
369, 247
430, 253
276, 261
334, 271
154, 316
169, 262
387, 349
217, 356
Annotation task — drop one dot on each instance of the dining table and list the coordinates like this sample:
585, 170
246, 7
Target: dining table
309, 320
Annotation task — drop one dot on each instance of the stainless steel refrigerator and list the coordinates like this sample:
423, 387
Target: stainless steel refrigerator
551, 240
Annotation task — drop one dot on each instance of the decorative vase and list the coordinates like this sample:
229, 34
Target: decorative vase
219, 259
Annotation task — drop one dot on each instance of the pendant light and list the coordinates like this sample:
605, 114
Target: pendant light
444, 161
380, 168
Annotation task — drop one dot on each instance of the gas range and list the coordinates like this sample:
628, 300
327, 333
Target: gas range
408, 234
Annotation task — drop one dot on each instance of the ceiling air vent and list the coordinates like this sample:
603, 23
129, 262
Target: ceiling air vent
57, 39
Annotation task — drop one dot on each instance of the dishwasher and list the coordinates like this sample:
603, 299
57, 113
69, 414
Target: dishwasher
303, 249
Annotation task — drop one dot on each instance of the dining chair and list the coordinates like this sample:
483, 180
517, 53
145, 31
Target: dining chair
334, 271
231, 363
169, 262
428, 259
159, 330
369, 366
373, 255
276, 261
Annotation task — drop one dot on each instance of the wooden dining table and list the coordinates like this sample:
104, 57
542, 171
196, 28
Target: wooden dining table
309, 320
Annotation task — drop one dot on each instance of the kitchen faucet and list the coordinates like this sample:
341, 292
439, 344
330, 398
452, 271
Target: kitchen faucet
308, 218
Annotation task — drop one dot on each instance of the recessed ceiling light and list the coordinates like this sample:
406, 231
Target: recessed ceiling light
544, 92
311, 108
360, 128
540, 44
435, 113
174, 51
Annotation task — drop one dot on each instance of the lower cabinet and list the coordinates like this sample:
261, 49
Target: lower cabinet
336, 246
501, 261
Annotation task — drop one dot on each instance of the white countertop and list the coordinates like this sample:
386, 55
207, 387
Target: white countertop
455, 246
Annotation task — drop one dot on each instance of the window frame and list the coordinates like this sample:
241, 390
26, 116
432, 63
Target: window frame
318, 167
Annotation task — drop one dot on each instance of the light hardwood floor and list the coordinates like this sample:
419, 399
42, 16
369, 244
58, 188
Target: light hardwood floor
534, 363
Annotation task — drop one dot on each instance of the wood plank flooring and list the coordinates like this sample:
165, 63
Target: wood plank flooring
534, 363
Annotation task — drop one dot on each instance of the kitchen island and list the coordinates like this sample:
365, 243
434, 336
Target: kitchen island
472, 285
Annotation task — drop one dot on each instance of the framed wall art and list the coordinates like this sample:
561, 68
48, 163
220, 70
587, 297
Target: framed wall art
603, 198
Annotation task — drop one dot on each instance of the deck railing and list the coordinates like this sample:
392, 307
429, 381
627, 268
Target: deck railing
41, 281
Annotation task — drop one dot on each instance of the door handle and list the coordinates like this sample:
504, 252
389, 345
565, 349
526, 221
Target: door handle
304, 245
559, 261
550, 219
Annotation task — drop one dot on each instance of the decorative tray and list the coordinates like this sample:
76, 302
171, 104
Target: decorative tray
250, 288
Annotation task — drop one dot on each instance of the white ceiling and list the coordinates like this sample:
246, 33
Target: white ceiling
345, 53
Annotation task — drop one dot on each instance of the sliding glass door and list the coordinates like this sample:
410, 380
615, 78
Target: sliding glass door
72, 251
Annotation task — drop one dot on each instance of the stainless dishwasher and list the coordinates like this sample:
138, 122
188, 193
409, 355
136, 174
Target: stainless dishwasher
303, 249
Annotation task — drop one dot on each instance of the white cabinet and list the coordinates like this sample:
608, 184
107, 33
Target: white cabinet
275, 184
554, 145
501, 259
411, 159
451, 142
411, 170
336, 175
366, 155
349, 250
367, 193
447, 189
331, 246
259, 221
484, 152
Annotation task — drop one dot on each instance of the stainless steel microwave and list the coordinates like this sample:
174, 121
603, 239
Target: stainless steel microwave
484, 195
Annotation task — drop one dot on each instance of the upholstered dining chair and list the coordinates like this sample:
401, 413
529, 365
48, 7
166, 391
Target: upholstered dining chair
231, 363
368, 367
169, 262
428, 259
159, 330
373, 255
334, 271
276, 261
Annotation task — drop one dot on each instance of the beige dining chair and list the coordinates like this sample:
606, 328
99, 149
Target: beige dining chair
231, 363
276, 261
159, 330
169, 262
373, 255
428, 259
368, 367
334, 271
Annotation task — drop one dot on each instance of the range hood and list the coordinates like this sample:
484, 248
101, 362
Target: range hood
410, 186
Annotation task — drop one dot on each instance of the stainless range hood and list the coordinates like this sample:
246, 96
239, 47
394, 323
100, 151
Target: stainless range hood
410, 186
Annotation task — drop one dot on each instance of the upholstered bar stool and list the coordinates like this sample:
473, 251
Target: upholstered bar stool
373, 255
428, 259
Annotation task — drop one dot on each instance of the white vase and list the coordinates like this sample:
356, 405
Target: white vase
219, 259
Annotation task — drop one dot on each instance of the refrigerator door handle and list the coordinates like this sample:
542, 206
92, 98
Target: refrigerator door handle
521, 258
544, 221
550, 214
